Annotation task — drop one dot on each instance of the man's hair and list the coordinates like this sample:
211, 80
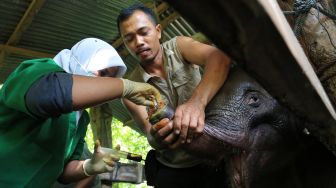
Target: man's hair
129, 11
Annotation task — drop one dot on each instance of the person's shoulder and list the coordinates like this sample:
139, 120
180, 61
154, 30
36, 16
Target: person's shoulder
170, 40
174, 42
169, 43
40, 60
183, 39
36, 63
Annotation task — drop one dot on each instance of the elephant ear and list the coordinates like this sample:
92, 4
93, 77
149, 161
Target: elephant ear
256, 34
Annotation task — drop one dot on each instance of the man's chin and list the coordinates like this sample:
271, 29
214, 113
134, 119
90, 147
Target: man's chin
146, 60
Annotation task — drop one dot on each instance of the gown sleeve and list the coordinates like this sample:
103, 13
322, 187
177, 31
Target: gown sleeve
51, 95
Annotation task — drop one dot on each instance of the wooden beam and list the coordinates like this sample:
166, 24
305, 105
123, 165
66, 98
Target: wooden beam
161, 8
169, 19
23, 52
25, 21
23, 24
101, 119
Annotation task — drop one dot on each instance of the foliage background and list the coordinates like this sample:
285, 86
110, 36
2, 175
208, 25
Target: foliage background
129, 140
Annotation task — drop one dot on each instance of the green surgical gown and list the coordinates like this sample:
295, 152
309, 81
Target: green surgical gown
33, 151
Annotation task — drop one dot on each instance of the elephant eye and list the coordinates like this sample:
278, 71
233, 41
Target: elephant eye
253, 100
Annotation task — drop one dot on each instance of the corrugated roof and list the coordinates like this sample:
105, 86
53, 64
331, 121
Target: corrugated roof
11, 13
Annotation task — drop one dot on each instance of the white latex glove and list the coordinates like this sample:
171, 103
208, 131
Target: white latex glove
140, 93
100, 162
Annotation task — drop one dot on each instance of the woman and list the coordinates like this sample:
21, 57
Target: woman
42, 127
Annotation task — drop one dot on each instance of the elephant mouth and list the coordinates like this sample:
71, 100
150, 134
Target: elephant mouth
214, 146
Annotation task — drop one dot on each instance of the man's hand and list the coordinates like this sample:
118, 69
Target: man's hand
163, 135
140, 93
189, 120
101, 162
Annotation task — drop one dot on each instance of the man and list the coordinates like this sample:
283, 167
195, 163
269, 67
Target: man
173, 68
41, 133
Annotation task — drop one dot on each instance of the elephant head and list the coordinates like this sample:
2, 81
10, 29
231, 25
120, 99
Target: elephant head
261, 142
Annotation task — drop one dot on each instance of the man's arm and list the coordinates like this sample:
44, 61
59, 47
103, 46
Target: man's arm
189, 117
139, 115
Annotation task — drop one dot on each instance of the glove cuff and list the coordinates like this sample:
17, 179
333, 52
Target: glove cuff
127, 84
84, 167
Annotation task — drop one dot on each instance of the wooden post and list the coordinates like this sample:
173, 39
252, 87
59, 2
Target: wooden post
101, 120
318, 38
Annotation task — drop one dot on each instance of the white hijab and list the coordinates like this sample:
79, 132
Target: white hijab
90, 54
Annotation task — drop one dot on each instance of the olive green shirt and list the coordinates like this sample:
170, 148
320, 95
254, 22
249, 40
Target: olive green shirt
182, 79
33, 151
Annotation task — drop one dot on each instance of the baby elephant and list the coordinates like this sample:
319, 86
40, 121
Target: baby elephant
261, 143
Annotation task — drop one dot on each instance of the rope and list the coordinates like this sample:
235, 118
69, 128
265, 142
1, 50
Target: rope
301, 7
300, 11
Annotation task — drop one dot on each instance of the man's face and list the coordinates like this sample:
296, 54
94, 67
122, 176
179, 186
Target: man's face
141, 36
